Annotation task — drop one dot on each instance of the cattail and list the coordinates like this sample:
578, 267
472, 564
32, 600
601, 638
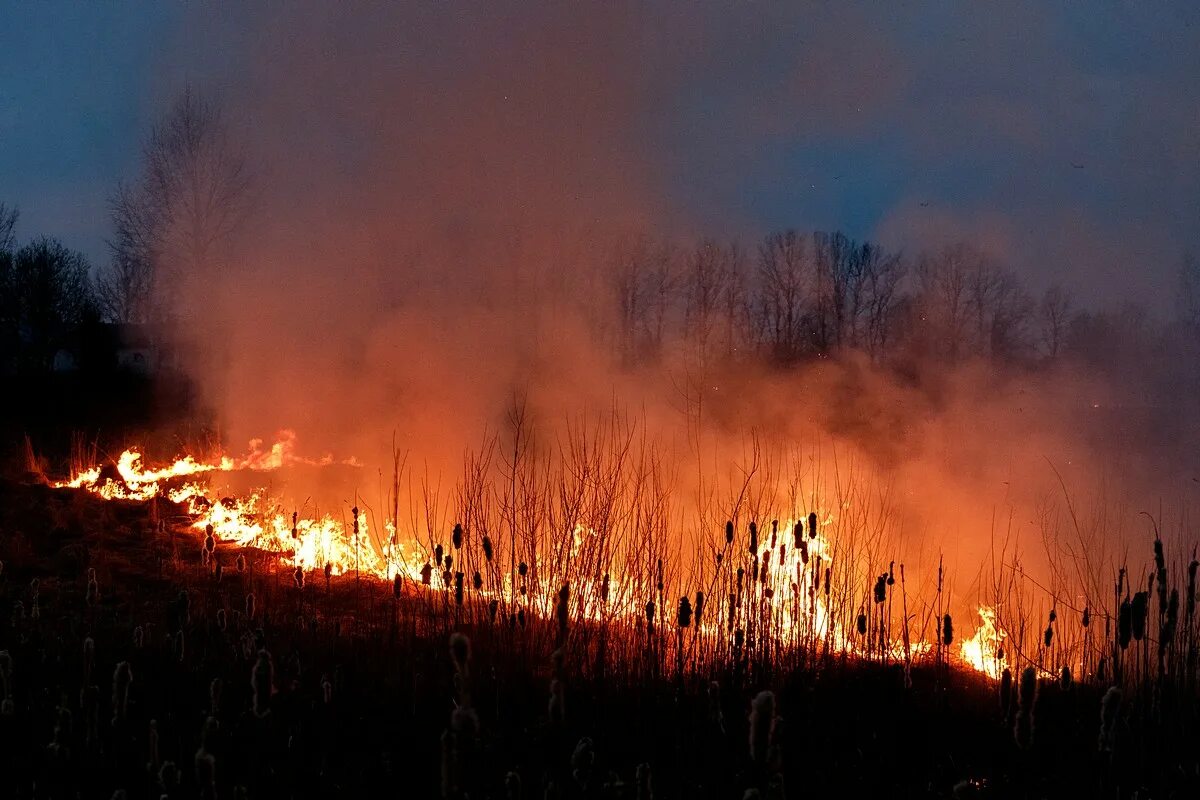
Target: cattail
152, 761
798, 535
862, 624
89, 659
512, 786
240, 562
122, 677
139, 637
456, 538
732, 609
487, 548
645, 789
812, 525
557, 705
250, 605
583, 759
18, 613
562, 609
1125, 623
214, 696
1064, 679
205, 761
477, 581
168, 778
493, 607
437, 554
604, 589
1110, 710
262, 682
947, 631
521, 617
753, 538
650, 615
460, 652
1087, 616
1048, 636
1141, 607
715, 715
326, 689
729, 532
1026, 700
93, 588
522, 569
1006, 692
741, 573
881, 588
221, 619
298, 577
803, 551
179, 645
458, 588
426, 574
762, 720
699, 606
397, 585
685, 612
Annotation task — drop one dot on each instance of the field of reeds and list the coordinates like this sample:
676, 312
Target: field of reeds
572, 617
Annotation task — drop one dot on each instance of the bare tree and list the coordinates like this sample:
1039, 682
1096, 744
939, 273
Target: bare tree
177, 219
1053, 317
882, 274
783, 275
8, 226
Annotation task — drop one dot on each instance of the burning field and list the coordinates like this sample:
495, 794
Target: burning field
585, 401
524, 617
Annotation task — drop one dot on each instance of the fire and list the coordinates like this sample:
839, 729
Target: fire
984, 651
785, 583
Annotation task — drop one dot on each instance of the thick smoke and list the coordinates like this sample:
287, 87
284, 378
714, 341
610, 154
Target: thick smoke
438, 196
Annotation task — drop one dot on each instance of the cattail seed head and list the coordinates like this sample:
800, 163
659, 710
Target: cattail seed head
729, 532
812, 525
947, 630
685, 612
456, 537
1026, 701
762, 720
487, 548
1140, 609
1110, 710
460, 652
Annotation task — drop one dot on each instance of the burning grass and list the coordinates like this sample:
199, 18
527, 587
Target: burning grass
579, 588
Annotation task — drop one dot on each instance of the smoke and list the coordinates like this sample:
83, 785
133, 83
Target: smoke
438, 194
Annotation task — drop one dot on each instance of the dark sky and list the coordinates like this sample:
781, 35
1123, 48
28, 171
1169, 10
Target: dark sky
1065, 139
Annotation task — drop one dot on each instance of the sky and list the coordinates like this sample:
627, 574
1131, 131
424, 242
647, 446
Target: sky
1062, 138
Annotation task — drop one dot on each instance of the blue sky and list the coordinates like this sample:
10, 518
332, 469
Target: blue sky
911, 123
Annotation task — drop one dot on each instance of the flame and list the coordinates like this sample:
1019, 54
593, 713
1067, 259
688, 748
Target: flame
984, 652
786, 581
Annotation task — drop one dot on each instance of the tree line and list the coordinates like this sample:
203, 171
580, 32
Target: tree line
789, 297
